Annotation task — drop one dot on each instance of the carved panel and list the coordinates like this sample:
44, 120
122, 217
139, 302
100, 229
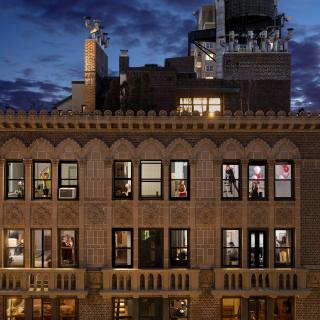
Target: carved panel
258, 216
41, 216
150, 216
14, 215
68, 215
122, 216
179, 216
313, 279
231, 216
94, 280
284, 216
95, 215
206, 279
205, 215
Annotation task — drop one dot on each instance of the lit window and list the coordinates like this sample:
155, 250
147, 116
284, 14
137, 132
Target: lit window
123, 308
67, 309
230, 180
41, 309
41, 248
231, 248
257, 186
122, 184
15, 179
257, 308
284, 308
15, 307
209, 57
14, 248
68, 180
178, 308
209, 68
202, 105
283, 180
209, 45
179, 247
150, 248
42, 179
151, 179
122, 248
68, 248
284, 248
231, 308
179, 180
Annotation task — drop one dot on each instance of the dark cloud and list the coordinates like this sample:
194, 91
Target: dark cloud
27, 72
49, 58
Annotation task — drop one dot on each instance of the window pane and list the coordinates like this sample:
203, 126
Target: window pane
151, 189
15, 308
15, 188
68, 248
284, 309
122, 188
230, 180
123, 308
283, 189
283, 176
179, 179
151, 169
15, 180
41, 309
122, 169
123, 245
178, 309
67, 309
179, 170
283, 247
231, 247
257, 176
15, 248
42, 179
42, 170
179, 247
283, 171
151, 248
231, 308
150, 309
69, 171
41, 249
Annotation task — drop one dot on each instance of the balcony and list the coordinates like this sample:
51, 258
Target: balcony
50, 282
136, 282
246, 282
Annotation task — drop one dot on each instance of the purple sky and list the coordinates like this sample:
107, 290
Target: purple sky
41, 48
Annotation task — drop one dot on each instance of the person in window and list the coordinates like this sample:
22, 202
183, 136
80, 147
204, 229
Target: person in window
232, 252
182, 189
67, 245
231, 178
127, 191
284, 254
254, 190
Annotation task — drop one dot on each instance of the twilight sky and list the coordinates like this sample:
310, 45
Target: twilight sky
41, 49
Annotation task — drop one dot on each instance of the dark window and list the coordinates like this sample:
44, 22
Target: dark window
41, 248
257, 308
284, 308
178, 308
68, 246
68, 180
179, 247
150, 309
14, 308
41, 309
15, 179
151, 179
42, 184
231, 308
14, 248
257, 186
283, 180
257, 249
122, 248
122, 308
67, 309
284, 248
231, 245
122, 185
150, 248
231, 188
179, 182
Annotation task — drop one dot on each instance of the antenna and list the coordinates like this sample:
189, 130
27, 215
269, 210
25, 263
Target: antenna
95, 28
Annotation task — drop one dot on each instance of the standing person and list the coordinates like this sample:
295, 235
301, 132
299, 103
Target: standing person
231, 178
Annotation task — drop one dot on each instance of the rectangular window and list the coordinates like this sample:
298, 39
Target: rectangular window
14, 248
15, 179
41, 248
42, 179
179, 182
231, 245
179, 247
257, 248
122, 184
283, 180
122, 308
122, 248
209, 68
178, 308
150, 248
67, 309
151, 179
14, 307
202, 105
41, 309
257, 308
150, 309
284, 308
231, 308
257, 186
68, 246
68, 180
284, 248
230, 180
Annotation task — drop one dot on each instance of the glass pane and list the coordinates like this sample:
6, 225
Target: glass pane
68, 247
42, 249
122, 170
151, 189
42, 309
151, 248
123, 308
69, 171
179, 170
231, 256
122, 188
15, 308
231, 238
15, 189
122, 247
123, 257
283, 309
42, 170
283, 189
283, 171
16, 170
179, 238
178, 309
230, 176
283, 238
15, 176
179, 189
231, 307
37, 309
15, 248
257, 172
257, 189
151, 169
67, 309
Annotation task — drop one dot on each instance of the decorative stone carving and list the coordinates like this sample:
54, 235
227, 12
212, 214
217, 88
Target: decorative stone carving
258, 216
231, 216
205, 279
150, 216
41, 216
284, 216
13, 215
94, 279
122, 215
205, 215
95, 215
68, 215
313, 279
179, 216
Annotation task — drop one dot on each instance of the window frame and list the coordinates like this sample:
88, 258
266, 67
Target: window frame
34, 180
239, 265
179, 265
6, 298
141, 197
43, 299
76, 305
292, 248
292, 180
231, 162
7, 180
114, 299
256, 300
265, 180
114, 230
68, 186
161, 264
114, 197
6, 253
223, 316
188, 181
76, 265
173, 298
42, 247
255, 231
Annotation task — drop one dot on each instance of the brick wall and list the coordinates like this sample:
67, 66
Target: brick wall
309, 308
205, 307
95, 308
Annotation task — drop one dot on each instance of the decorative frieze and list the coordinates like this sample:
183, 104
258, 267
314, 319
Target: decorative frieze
95, 215
122, 215
68, 215
231, 216
284, 216
41, 216
151, 216
14, 215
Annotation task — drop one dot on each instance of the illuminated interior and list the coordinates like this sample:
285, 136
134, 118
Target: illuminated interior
202, 105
